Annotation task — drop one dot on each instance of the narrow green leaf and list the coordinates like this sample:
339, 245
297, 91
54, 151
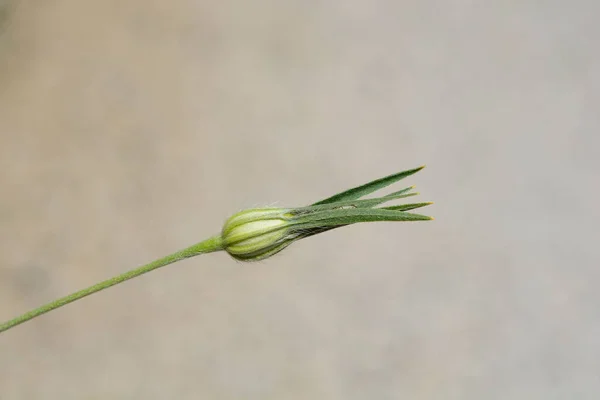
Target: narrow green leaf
367, 188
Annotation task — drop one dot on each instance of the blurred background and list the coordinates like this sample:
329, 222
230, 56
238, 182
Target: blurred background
131, 129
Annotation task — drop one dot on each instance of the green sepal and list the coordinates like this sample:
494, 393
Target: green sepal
403, 207
368, 203
351, 216
406, 207
363, 190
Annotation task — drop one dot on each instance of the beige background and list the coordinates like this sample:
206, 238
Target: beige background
130, 129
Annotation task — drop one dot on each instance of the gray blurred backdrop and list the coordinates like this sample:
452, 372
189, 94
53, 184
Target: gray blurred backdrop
131, 129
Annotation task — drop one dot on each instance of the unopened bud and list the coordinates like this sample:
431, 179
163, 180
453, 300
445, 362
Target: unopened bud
255, 234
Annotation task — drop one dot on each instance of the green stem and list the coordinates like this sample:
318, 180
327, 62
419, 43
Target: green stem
207, 246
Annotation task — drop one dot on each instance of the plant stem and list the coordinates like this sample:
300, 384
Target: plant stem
207, 246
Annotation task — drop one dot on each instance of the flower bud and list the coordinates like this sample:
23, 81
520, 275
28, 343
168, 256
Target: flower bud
255, 234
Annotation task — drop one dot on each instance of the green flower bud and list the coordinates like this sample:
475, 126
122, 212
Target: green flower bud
256, 234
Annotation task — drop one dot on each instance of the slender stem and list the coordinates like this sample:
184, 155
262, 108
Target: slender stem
207, 246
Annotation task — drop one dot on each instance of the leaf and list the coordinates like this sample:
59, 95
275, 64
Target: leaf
363, 190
